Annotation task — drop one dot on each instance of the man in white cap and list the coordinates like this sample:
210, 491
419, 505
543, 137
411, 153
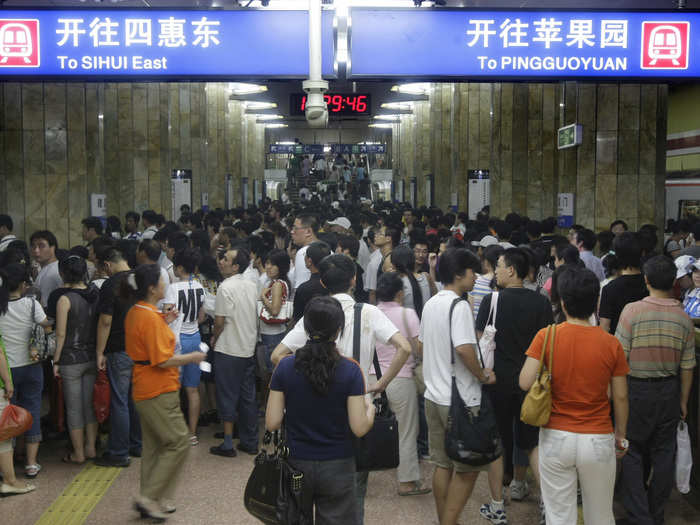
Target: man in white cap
486, 240
340, 225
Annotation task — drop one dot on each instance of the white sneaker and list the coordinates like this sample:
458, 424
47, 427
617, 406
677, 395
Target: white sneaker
519, 490
495, 516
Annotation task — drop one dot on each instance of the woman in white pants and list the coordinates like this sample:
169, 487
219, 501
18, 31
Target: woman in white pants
402, 394
578, 442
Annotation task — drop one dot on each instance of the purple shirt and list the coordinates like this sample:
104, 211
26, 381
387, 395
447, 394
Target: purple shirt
406, 320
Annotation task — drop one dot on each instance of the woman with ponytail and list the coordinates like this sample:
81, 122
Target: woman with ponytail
416, 286
324, 397
150, 344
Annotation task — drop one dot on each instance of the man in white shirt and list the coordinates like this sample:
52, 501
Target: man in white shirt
6, 236
386, 238
233, 341
149, 219
440, 332
338, 276
43, 249
303, 233
131, 226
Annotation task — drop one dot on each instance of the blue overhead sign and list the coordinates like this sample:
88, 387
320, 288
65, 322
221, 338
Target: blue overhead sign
443, 43
156, 43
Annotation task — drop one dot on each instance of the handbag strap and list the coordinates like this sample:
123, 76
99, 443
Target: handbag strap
548, 338
452, 346
493, 310
356, 333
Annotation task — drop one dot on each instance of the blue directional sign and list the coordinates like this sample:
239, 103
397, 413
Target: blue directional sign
448, 43
156, 43
355, 149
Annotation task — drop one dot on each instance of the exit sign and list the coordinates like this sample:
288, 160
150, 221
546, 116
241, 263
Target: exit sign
569, 136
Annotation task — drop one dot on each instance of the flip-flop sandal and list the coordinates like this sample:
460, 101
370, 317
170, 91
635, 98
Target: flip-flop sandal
417, 491
68, 458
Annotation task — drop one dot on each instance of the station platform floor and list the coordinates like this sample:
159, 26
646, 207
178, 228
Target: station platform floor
211, 492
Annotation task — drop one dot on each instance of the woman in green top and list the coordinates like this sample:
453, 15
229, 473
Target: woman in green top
10, 485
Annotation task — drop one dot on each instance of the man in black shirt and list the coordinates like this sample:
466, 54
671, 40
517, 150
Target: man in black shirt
521, 313
350, 246
315, 253
628, 287
125, 429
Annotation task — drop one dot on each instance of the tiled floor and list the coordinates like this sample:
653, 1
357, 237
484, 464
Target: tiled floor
211, 492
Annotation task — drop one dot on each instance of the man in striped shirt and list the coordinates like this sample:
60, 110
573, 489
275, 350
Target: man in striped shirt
658, 339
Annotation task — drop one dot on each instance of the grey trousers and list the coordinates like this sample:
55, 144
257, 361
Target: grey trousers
78, 387
403, 400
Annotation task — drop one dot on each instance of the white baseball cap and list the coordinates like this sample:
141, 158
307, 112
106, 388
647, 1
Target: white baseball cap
343, 222
486, 240
685, 264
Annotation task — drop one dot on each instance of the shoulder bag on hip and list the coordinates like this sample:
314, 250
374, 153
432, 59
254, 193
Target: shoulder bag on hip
275, 492
487, 343
472, 434
379, 448
285, 313
41, 344
537, 405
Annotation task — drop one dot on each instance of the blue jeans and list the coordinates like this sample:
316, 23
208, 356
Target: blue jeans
270, 342
331, 484
235, 395
29, 382
125, 428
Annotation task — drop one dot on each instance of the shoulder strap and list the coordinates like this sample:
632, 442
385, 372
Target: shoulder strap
356, 331
493, 309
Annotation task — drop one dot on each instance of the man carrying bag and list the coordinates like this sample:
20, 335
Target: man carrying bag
453, 481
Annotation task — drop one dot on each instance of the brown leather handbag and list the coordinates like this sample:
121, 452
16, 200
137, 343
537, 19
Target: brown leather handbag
537, 405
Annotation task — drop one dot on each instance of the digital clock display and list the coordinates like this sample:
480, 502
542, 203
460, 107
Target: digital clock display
339, 104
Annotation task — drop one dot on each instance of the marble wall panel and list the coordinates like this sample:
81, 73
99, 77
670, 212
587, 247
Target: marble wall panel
606, 200
505, 150
607, 107
125, 112
12, 105
630, 99
473, 143
166, 156
94, 138
77, 161
496, 165
35, 202
32, 106
549, 131
626, 205
154, 173
110, 132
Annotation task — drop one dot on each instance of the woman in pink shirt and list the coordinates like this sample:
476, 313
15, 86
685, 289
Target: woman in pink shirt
403, 398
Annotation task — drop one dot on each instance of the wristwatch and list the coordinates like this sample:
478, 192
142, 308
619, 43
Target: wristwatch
624, 444
486, 377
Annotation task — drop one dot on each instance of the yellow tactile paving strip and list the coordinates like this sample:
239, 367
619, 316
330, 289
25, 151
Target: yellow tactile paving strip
78, 499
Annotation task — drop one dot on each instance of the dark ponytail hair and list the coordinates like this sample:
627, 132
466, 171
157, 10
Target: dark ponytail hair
12, 275
73, 269
404, 260
317, 359
135, 286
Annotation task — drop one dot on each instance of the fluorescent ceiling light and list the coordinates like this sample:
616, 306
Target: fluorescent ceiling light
276, 125
417, 88
285, 143
240, 88
397, 105
388, 126
262, 116
392, 118
252, 104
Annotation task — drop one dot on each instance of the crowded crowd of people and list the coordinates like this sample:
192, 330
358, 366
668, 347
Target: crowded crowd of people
227, 316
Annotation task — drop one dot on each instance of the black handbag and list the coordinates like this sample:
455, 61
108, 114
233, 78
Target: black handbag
275, 491
379, 448
471, 438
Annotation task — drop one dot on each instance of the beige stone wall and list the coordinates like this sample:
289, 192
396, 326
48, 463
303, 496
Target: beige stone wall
60, 142
510, 129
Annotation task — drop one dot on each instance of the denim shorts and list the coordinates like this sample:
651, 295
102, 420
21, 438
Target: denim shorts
189, 377
29, 383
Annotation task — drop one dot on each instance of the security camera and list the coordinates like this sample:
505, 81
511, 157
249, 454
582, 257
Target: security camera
316, 110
